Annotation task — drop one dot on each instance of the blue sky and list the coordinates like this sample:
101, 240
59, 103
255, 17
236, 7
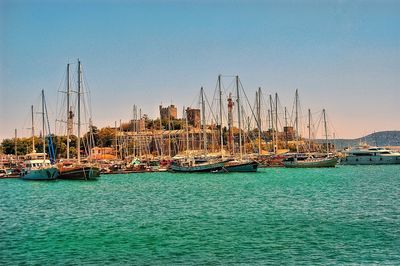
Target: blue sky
343, 56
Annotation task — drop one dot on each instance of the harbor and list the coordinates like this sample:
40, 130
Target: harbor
202, 140
305, 215
199, 132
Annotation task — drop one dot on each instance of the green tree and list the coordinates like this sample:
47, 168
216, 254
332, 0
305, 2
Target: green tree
106, 137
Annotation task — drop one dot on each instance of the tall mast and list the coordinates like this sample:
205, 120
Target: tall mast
326, 133
15, 148
297, 120
286, 131
239, 117
91, 138
161, 135
69, 122
187, 132
286, 124
33, 130
212, 136
116, 139
134, 118
230, 122
220, 115
121, 144
134, 130
272, 123
169, 131
276, 120
78, 142
258, 97
245, 123
203, 112
309, 130
43, 123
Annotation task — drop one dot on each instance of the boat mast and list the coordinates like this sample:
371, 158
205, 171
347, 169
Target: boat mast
161, 136
297, 120
220, 115
33, 131
169, 131
203, 112
309, 130
239, 117
187, 132
69, 116
258, 97
134, 130
286, 131
15, 148
276, 121
326, 133
212, 136
43, 133
116, 139
245, 122
272, 123
231, 147
121, 143
78, 142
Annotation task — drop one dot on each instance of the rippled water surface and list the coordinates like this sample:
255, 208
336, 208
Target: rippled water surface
346, 215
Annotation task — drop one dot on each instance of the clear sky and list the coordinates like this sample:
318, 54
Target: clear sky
343, 56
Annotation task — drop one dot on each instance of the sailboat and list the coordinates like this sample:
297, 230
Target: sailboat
189, 164
76, 170
236, 164
297, 161
37, 166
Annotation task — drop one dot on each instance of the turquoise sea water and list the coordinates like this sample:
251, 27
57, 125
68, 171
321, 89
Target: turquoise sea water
346, 215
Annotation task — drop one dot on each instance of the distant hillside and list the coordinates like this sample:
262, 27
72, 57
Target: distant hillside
382, 138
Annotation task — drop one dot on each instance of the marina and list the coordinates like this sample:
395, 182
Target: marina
199, 132
190, 144
202, 140
346, 215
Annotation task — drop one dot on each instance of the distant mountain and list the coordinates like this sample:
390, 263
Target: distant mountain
382, 138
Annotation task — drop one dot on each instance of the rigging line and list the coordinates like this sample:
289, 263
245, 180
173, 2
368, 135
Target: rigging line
228, 76
250, 133
24, 125
37, 103
263, 100
215, 92
61, 85
193, 101
331, 125
89, 97
224, 93
208, 104
319, 121
251, 117
292, 114
62, 82
252, 111
282, 112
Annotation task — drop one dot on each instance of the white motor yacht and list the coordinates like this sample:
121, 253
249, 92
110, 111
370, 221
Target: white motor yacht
370, 155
